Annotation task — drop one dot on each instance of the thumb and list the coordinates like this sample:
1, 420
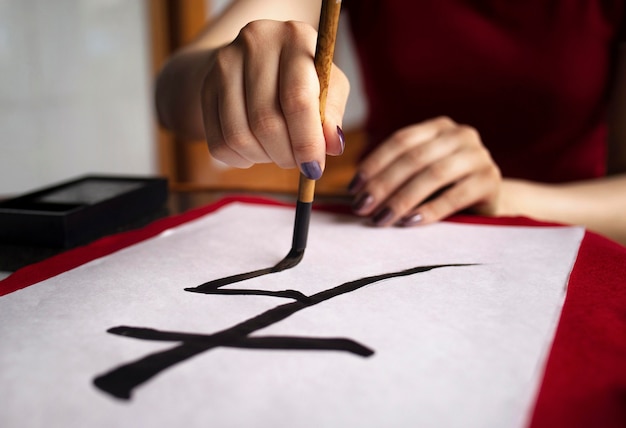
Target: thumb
338, 90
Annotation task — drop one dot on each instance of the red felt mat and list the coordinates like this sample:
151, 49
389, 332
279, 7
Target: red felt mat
584, 383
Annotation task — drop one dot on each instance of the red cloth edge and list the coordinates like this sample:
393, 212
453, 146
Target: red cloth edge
584, 382
584, 379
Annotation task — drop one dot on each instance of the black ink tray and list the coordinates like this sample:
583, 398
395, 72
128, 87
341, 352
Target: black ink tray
80, 210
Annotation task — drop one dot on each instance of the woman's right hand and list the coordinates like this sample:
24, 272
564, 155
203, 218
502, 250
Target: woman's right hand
260, 100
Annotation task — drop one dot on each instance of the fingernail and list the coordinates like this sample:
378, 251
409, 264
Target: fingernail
311, 170
410, 220
363, 202
342, 139
382, 217
356, 184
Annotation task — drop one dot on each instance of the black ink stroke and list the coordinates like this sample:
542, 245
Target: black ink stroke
120, 381
291, 259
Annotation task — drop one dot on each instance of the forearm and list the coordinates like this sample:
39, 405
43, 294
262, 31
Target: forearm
598, 205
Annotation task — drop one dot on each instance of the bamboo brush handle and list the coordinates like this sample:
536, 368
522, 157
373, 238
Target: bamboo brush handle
324, 52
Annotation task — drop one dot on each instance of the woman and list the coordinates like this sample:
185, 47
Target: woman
505, 108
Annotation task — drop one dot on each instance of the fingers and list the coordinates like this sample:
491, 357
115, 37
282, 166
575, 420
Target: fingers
263, 111
210, 97
260, 100
425, 173
470, 191
238, 131
449, 186
407, 141
299, 100
247, 126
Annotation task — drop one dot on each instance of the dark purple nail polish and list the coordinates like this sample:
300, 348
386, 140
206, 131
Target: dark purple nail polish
342, 139
311, 170
363, 202
356, 184
410, 220
382, 217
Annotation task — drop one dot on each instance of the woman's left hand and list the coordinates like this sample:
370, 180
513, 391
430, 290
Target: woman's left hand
426, 172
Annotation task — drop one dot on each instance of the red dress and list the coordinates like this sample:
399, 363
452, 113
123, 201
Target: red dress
532, 76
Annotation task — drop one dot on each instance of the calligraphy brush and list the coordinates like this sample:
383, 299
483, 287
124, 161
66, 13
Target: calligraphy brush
324, 51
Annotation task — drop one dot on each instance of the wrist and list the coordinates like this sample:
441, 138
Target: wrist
515, 198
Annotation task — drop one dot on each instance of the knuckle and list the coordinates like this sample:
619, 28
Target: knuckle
304, 149
293, 28
401, 138
224, 61
298, 30
444, 121
468, 133
297, 100
484, 154
439, 171
251, 34
265, 123
415, 156
236, 139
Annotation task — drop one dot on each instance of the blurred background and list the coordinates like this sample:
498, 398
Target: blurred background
76, 98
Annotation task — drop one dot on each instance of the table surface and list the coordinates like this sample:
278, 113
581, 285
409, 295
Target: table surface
585, 376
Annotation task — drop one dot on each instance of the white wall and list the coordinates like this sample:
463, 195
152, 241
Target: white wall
75, 91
